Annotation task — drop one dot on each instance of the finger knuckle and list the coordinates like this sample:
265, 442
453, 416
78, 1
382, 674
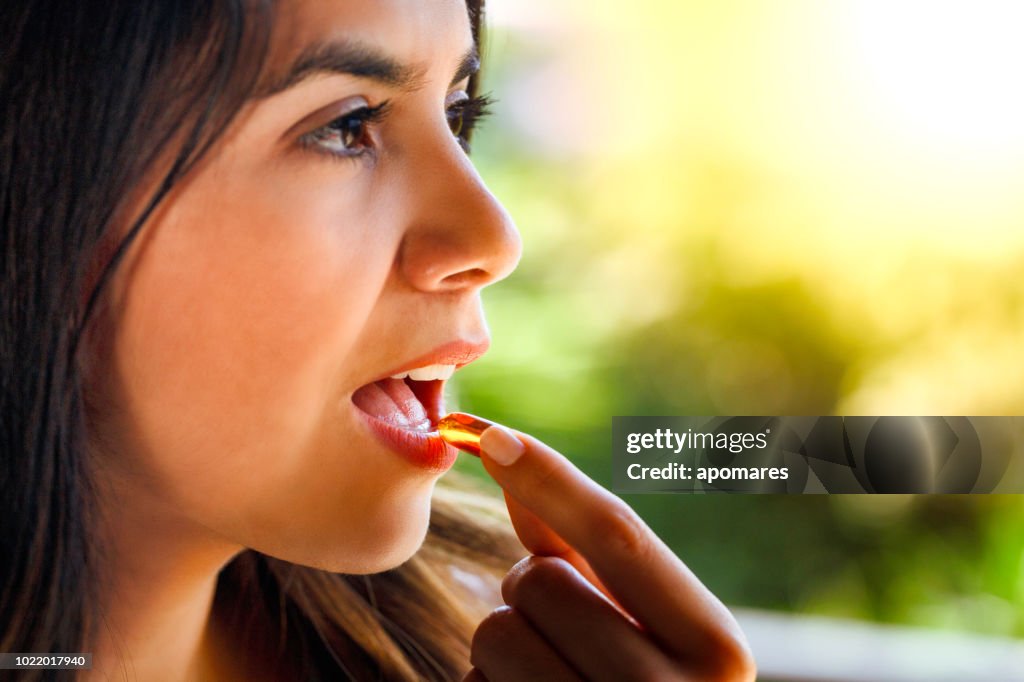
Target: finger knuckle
624, 529
545, 480
510, 581
539, 577
493, 631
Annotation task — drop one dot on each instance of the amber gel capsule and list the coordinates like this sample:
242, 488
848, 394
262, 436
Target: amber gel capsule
463, 431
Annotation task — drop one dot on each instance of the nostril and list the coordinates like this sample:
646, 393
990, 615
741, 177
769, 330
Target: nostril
459, 234
446, 260
467, 278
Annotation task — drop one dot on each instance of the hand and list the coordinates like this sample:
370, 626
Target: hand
602, 597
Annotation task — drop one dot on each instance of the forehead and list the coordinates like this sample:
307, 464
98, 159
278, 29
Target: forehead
414, 32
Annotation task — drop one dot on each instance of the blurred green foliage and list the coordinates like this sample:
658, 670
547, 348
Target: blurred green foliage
682, 277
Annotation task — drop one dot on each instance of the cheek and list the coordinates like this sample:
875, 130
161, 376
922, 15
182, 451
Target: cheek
239, 315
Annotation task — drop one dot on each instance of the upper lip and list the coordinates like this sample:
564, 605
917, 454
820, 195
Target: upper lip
459, 353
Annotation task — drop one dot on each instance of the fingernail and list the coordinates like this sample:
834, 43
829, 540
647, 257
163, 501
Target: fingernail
501, 445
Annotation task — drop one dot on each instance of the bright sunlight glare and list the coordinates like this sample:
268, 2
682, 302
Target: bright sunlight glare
950, 68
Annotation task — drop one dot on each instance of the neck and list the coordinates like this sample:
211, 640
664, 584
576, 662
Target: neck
159, 577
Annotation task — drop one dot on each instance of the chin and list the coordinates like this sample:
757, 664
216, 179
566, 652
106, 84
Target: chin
383, 541
394, 555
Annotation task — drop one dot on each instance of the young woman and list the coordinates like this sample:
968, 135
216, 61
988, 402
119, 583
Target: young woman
242, 250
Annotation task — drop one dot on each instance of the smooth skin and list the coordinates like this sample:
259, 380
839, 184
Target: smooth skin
602, 597
282, 274
274, 282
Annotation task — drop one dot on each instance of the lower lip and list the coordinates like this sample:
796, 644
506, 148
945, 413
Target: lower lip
425, 450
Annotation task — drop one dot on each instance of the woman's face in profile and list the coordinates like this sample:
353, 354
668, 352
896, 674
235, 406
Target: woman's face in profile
336, 235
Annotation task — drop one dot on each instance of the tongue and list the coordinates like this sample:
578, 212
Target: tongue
392, 401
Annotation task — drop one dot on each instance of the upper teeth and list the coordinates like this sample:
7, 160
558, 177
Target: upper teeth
428, 373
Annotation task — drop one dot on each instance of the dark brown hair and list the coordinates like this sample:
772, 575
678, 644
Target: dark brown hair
92, 94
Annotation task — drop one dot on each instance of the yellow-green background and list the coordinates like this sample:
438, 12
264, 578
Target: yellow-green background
769, 207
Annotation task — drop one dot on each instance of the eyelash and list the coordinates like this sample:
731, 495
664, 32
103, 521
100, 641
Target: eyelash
463, 116
472, 111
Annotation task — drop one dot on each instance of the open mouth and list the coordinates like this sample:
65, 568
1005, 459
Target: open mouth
411, 401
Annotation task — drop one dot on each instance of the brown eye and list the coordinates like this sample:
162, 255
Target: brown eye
349, 129
349, 134
346, 135
455, 110
463, 112
455, 122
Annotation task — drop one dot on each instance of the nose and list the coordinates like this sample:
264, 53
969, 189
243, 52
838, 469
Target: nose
459, 236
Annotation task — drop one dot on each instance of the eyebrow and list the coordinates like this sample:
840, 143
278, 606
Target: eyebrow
360, 60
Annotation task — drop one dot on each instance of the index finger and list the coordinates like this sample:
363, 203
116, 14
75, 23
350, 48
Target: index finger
639, 570
540, 540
